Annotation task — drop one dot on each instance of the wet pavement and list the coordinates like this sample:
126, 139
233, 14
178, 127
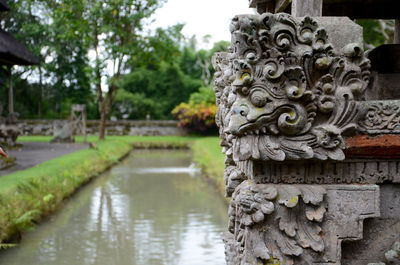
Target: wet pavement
33, 153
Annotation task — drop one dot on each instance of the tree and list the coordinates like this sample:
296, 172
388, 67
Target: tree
117, 26
24, 25
61, 75
197, 63
166, 85
112, 30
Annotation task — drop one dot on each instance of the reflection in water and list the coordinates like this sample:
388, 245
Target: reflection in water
148, 217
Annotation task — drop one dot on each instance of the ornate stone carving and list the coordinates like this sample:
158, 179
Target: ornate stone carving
284, 93
380, 116
286, 97
257, 210
328, 172
283, 223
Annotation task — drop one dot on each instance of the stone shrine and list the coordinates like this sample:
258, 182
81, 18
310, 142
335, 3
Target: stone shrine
309, 124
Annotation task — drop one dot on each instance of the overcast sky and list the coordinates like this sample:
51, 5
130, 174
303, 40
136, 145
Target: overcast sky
201, 17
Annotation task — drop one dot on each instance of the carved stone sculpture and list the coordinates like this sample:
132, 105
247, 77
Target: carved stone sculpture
287, 99
285, 92
65, 134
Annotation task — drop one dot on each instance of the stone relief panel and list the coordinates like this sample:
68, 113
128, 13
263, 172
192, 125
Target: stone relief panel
380, 116
296, 224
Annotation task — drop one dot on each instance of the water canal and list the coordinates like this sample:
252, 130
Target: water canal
148, 210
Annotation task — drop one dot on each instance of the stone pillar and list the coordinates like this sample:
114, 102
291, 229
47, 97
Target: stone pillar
301, 8
295, 125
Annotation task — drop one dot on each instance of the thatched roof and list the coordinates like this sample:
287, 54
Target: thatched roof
12, 52
4, 6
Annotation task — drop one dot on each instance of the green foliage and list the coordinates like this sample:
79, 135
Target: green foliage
134, 106
377, 32
205, 95
61, 72
198, 115
165, 86
6, 246
158, 69
162, 47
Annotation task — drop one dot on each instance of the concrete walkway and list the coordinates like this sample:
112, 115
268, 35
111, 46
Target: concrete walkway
34, 153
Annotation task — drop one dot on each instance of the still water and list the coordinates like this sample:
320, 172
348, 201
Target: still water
149, 210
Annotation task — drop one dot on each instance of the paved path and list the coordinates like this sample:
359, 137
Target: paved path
34, 153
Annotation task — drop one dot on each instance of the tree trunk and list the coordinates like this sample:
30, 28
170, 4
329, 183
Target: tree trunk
10, 92
101, 103
40, 104
102, 127
105, 109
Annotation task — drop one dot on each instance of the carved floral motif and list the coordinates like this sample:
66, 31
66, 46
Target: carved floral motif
380, 117
276, 222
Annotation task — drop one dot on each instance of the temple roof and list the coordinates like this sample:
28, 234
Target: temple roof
12, 52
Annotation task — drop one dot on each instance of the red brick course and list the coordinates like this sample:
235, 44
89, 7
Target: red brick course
367, 146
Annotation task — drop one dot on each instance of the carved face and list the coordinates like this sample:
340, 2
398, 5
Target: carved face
268, 108
283, 93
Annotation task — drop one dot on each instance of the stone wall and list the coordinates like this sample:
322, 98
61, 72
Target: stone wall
122, 127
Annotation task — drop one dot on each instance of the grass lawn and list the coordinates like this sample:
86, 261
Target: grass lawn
28, 195
207, 153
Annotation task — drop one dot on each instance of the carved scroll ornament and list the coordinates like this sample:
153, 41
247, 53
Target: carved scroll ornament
276, 222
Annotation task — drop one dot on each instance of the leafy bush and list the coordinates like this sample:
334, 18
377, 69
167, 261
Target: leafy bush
167, 86
205, 95
129, 105
199, 114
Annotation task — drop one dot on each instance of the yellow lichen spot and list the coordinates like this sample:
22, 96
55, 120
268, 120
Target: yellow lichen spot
293, 201
322, 62
273, 261
244, 75
292, 115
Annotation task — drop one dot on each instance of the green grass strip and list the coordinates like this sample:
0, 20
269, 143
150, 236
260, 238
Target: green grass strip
28, 195
207, 153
